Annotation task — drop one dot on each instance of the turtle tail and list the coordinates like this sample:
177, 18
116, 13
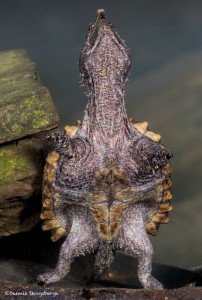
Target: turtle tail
103, 259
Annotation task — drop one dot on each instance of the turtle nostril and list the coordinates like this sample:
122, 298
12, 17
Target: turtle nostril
101, 14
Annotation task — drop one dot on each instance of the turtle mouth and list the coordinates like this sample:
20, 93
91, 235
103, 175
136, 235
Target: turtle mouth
101, 14
103, 41
102, 27
94, 29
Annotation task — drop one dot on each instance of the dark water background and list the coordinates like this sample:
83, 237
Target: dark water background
165, 38
53, 33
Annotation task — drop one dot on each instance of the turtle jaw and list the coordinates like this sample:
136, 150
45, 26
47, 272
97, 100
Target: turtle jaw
100, 15
103, 42
100, 29
94, 30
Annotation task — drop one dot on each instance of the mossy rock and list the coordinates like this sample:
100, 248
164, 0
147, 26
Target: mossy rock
26, 106
21, 169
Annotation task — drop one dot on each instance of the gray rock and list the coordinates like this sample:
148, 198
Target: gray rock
18, 279
26, 106
21, 169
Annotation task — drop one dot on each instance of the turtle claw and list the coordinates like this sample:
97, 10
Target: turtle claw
151, 283
48, 278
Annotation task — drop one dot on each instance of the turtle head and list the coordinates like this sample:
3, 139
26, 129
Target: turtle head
103, 47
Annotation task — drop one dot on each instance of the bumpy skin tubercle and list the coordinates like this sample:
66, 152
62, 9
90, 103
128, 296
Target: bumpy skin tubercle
107, 182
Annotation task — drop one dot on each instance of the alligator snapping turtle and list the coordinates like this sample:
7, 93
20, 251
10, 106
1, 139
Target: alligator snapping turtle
107, 182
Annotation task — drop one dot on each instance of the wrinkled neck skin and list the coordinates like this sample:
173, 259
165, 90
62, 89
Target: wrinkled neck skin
104, 65
105, 117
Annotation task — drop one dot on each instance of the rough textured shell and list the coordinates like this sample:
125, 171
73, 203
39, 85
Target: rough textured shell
49, 199
160, 216
107, 230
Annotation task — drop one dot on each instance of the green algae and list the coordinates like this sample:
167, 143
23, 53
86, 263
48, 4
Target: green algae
26, 106
12, 90
14, 165
12, 60
16, 128
36, 112
39, 120
28, 115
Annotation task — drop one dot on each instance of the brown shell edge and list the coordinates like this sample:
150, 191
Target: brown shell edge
48, 202
164, 207
48, 216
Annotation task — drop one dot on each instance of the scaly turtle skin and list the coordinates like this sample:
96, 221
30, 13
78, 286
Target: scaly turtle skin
107, 182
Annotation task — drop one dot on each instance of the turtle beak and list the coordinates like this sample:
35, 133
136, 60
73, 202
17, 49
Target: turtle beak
101, 23
95, 28
101, 27
100, 15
